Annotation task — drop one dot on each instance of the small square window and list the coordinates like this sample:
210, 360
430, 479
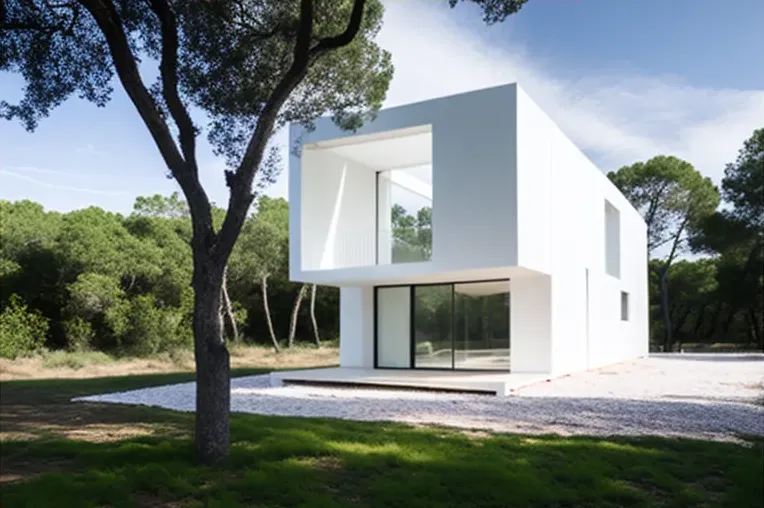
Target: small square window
624, 306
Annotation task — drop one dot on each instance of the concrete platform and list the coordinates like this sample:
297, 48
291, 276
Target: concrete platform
496, 383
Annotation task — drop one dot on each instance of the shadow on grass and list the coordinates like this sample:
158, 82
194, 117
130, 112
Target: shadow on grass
314, 462
84, 455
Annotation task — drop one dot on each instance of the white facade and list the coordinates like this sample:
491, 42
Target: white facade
512, 202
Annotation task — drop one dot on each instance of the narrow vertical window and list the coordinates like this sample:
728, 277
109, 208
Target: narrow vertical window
612, 240
624, 306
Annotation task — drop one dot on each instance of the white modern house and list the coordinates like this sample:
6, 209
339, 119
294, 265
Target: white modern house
475, 247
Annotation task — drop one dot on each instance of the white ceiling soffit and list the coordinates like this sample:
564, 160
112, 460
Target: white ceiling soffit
482, 288
410, 183
368, 138
396, 149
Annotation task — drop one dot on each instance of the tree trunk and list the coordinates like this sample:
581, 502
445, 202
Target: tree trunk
753, 338
295, 312
668, 338
728, 322
699, 322
313, 315
213, 368
714, 321
679, 322
229, 308
266, 307
758, 327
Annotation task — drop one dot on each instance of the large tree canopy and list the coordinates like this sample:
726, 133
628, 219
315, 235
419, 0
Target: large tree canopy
736, 234
671, 195
249, 65
674, 199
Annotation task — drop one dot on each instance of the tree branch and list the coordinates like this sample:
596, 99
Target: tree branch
108, 21
169, 72
674, 246
65, 28
653, 208
241, 181
338, 41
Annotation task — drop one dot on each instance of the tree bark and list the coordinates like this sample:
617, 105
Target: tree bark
757, 327
668, 339
295, 313
728, 322
210, 249
668, 336
680, 320
713, 324
266, 307
213, 382
699, 322
229, 308
313, 315
751, 328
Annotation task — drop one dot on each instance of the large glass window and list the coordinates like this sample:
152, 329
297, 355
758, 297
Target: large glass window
481, 325
433, 344
447, 326
404, 211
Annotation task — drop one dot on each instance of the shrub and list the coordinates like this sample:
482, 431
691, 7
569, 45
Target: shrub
22, 332
143, 329
93, 294
79, 334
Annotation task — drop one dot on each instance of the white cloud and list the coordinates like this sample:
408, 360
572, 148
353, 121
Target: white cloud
616, 119
19, 173
89, 150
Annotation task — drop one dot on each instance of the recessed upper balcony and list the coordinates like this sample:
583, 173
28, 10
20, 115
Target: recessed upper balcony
422, 193
367, 200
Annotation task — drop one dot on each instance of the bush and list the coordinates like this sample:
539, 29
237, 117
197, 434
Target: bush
79, 334
22, 332
143, 329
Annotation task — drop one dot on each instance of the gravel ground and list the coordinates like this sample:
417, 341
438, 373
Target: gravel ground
699, 396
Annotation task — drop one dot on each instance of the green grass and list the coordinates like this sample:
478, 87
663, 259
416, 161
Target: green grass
74, 359
331, 463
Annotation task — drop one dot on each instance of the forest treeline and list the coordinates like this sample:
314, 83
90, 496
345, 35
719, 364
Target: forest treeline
715, 294
95, 280
92, 279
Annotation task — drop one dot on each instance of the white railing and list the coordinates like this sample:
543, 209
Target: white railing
368, 248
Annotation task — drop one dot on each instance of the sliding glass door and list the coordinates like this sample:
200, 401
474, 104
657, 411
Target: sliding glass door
463, 326
481, 325
433, 337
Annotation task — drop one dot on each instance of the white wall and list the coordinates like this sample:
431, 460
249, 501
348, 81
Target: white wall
512, 197
474, 200
337, 220
357, 327
394, 327
534, 200
530, 320
384, 218
562, 230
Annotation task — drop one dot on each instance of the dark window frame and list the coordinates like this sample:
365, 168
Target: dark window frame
412, 331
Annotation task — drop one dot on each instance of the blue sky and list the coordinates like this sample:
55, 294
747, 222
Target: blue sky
626, 80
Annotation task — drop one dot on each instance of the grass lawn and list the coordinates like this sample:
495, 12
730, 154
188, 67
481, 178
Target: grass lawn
56, 453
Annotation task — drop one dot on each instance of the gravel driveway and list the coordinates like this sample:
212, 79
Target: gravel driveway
700, 396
